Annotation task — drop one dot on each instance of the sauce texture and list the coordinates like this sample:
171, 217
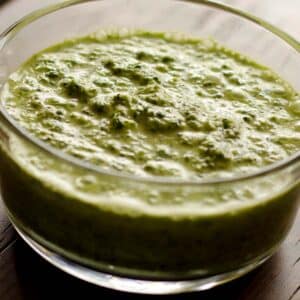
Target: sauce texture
153, 104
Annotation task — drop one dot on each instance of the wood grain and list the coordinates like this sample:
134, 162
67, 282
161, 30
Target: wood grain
25, 276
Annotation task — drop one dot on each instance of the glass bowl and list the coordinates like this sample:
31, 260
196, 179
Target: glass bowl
109, 238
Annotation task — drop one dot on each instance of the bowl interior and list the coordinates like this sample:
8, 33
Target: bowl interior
199, 19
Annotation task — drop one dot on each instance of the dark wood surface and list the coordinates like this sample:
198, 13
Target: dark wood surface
25, 276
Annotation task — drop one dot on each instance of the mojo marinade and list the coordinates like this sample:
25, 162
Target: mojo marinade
150, 104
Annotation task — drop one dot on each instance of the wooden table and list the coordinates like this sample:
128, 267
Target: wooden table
24, 275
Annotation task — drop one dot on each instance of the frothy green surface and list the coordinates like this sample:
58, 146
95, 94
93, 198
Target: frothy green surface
153, 104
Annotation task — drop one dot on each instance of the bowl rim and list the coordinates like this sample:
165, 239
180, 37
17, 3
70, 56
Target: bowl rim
13, 29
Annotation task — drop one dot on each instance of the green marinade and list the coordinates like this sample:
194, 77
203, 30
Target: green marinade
147, 104
151, 104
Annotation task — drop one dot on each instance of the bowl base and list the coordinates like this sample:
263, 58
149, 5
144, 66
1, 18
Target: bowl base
132, 285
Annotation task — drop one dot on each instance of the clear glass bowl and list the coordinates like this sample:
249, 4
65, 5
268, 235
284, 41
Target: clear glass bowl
157, 250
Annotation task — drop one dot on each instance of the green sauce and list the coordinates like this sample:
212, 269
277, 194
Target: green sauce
147, 104
151, 104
